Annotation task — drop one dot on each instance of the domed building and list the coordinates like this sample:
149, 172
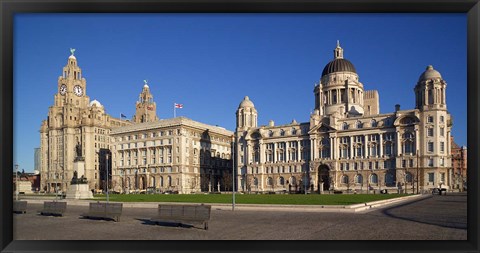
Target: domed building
348, 145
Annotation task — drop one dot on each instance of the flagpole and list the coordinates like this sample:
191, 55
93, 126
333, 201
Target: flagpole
174, 110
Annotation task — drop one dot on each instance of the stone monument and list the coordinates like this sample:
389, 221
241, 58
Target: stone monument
78, 188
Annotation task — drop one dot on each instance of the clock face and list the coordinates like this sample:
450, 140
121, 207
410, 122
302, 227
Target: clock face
63, 89
77, 90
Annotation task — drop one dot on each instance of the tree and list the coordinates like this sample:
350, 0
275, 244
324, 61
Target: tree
227, 180
204, 181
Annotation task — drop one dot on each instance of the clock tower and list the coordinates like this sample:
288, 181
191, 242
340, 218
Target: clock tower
74, 120
145, 108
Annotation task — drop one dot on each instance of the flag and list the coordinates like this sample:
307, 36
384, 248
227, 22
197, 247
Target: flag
122, 115
150, 108
178, 105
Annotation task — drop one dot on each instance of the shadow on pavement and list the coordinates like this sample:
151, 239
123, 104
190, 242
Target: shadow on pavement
433, 218
164, 224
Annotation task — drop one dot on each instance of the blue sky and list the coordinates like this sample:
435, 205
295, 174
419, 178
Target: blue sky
209, 62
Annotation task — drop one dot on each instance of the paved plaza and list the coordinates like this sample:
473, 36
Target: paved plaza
431, 218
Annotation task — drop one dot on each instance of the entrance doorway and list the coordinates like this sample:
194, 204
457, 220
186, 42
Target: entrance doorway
324, 176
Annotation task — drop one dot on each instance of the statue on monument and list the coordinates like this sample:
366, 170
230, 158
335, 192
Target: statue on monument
78, 151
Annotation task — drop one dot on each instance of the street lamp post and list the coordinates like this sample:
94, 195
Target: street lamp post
418, 182
107, 175
233, 173
16, 181
461, 169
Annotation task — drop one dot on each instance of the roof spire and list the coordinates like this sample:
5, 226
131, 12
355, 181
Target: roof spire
338, 51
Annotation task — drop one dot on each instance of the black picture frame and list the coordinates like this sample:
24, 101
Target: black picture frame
8, 8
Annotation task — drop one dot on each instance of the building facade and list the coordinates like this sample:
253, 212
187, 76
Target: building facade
172, 155
348, 144
74, 119
177, 154
459, 165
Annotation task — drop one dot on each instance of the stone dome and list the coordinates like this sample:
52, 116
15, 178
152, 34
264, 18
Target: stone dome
96, 103
338, 65
429, 74
246, 103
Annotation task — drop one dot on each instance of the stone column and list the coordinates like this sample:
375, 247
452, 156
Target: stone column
261, 146
312, 149
332, 148
299, 155
381, 145
399, 146
351, 147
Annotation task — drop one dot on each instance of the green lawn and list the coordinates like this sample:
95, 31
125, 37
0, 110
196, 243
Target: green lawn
289, 199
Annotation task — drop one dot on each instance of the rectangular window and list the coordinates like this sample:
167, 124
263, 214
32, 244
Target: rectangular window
442, 177
431, 177
404, 163
442, 131
411, 162
430, 132
442, 146
388, 149
430, 146
430, 162
385, 164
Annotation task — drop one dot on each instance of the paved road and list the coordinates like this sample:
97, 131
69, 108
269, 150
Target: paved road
432, 218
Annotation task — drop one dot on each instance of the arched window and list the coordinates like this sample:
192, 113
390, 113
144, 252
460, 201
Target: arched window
408, 147
281, 181
161, 181
270, 133
282, 132
373, 123
169, 181
255, 181
269, 181
374, 179
359, 179
294, 131
408, 177
345, 126
344, 179
359, 124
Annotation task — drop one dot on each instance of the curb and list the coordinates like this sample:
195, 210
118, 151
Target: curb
251, 207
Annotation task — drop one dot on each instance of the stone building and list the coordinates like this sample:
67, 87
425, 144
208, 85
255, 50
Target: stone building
73, 119
348, 144
171, 155
459, 165
196, 155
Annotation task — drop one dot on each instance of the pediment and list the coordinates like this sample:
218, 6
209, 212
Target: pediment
321, 128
